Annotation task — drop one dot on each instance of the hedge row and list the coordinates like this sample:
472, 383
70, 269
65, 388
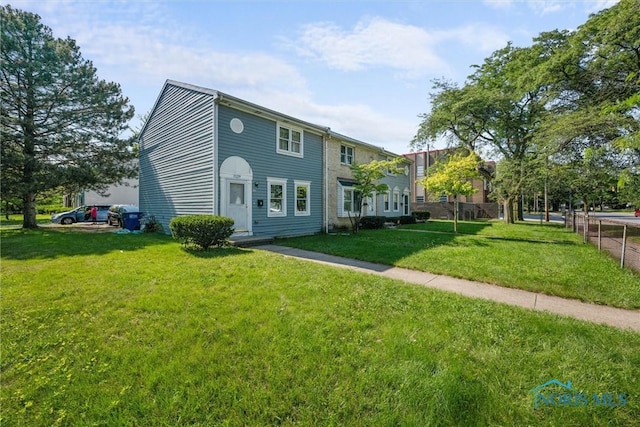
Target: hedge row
377, 222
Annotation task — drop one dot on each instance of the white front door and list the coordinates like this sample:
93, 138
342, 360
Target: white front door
236, 179
237, 205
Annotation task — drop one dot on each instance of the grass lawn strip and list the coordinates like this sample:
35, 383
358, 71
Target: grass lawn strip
545, 259
131, 329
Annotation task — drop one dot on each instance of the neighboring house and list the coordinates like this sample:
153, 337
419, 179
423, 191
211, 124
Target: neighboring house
124, 194
342, 152
478, 204
206, 152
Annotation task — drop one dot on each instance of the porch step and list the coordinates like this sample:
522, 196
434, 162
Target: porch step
246, 241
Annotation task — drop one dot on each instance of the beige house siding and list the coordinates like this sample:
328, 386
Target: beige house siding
336, 170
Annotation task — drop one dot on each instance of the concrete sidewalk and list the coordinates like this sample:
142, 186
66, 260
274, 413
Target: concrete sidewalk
619, 318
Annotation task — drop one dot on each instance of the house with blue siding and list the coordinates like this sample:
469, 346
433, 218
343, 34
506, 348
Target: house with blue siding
206, 152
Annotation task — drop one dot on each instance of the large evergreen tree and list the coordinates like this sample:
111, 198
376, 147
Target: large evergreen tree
61, 127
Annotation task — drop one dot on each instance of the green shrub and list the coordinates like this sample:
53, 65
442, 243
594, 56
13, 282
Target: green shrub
407, 219
372, 222
202, 231
422, 215
150, 224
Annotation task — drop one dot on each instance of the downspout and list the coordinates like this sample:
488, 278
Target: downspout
216, 203
326, 180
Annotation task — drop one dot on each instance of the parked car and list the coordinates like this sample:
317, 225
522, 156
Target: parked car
114, 214
80, 214
637, 213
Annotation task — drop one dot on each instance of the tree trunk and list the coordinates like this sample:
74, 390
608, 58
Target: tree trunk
509, 211
455, 214
520, 202
29, 211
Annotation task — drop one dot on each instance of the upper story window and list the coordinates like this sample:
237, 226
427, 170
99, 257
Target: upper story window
346, 155
290, 141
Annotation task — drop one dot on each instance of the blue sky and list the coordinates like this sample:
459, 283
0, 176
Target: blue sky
362, 68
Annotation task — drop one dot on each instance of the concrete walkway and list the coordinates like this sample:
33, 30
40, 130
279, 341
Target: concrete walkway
619, 318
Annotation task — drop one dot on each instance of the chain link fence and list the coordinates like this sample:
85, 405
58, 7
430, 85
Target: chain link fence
621, 239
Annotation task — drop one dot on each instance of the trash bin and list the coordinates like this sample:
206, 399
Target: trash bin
132, 220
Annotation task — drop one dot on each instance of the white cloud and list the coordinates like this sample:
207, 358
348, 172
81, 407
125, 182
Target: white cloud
545, 7
377, 42
374, 42
143, 44
599, 5
499, 4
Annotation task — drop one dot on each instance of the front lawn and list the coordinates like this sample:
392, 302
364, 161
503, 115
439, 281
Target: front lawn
540, 258
105, 329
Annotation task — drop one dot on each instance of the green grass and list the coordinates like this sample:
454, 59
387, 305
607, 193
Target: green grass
16, 220
539, 258
105, 329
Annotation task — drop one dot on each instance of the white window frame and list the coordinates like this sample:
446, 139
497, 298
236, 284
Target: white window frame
352, 199
343, 189
307, 185
283, 183
346, 158
288, 151
386, 201
396, 200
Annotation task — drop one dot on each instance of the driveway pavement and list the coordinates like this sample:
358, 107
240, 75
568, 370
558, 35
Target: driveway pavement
616, 317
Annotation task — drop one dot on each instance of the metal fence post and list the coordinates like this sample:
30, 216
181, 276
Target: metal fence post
624, 244
599, 235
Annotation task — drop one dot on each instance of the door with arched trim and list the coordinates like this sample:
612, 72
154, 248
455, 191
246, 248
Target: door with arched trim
236, 177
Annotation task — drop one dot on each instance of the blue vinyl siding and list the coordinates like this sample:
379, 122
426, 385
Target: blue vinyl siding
176, 156
257, 145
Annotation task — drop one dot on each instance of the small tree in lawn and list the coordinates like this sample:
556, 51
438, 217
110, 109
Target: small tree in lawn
453, 178
367, 176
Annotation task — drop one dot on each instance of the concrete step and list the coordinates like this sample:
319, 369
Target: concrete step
247, 241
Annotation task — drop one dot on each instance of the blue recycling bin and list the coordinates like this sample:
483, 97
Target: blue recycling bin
132, 220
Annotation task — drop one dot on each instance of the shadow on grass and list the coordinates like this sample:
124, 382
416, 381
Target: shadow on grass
49, 243
389, 246
214, 252
464, 227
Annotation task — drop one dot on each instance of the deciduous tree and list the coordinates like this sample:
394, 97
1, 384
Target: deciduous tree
453, 178
367, 177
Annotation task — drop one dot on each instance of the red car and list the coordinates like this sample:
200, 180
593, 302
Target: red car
637, 213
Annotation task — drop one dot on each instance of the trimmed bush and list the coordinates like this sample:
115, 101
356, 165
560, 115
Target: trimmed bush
407, 220
422, 215
372, 222
202, 231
